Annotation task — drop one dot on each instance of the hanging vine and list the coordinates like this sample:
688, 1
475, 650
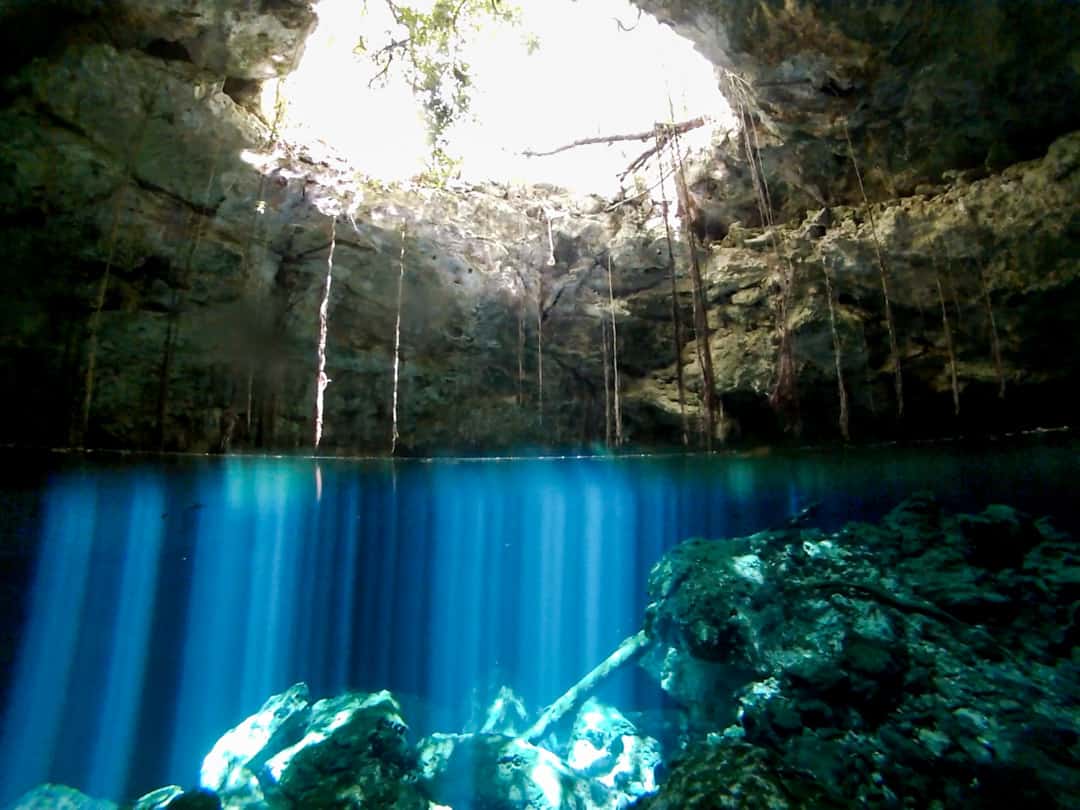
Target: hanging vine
394, 435
995, 342
321, 380
607, 382
948, 346
676, 320
784, 397
894, 350
172, 331
78, 431
845, 428
614, 356
701, 325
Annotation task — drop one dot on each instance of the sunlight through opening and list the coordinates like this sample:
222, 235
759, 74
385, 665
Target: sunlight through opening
601, 68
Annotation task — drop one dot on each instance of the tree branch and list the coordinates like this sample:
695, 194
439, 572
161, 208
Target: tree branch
683, 126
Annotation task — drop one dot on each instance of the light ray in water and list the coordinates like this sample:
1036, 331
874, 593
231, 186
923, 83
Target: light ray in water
34, 720
169, 603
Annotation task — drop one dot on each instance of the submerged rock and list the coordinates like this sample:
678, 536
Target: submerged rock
231, 768
353, 754
482, 770
607, 747
914, 662
60, 797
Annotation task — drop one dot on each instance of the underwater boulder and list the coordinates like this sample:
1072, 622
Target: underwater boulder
198, 799
607, 747
231, 767
492, 770
59, 797
730, 775
353, 754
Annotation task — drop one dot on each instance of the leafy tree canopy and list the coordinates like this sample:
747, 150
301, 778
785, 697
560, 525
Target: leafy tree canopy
429, 46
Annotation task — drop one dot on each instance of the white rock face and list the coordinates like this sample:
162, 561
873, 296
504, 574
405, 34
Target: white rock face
606, 747
326, 717
231, 766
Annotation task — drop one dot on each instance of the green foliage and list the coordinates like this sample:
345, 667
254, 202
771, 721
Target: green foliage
429, 48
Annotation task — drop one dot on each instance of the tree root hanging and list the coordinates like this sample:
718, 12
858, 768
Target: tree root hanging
894, 350
676, 320
394, 435
784, 397
321, 380
614, 356
949, 347
845, 428
701, 318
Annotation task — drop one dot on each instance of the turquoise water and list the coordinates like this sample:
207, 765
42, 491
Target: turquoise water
151, 603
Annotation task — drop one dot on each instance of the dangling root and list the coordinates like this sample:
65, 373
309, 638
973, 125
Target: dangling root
675, 318
784, 397
614, 357
949, 347
894, 350
701, 318
841, 390
394, 436
321, 380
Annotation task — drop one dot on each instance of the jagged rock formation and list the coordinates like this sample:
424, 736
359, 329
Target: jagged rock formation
927, 661
132, 154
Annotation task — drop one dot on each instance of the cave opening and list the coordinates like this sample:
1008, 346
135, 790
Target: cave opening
557, 71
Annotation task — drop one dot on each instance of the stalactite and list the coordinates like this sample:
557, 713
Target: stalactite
394, 436
607, 382
894, 349
949, 347
845, 429
614, 356
701, 327
676, 320
321, 380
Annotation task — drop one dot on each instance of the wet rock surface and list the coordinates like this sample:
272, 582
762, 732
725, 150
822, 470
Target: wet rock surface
920, 662
130, 148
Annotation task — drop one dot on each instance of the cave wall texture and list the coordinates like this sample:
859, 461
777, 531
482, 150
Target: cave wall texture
122, 128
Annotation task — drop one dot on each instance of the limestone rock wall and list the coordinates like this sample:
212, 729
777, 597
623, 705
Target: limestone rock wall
131, 155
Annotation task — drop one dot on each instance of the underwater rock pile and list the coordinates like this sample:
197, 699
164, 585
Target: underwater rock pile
926, 661
929, 660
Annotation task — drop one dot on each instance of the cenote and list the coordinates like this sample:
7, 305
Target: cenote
539, 405
155, 602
